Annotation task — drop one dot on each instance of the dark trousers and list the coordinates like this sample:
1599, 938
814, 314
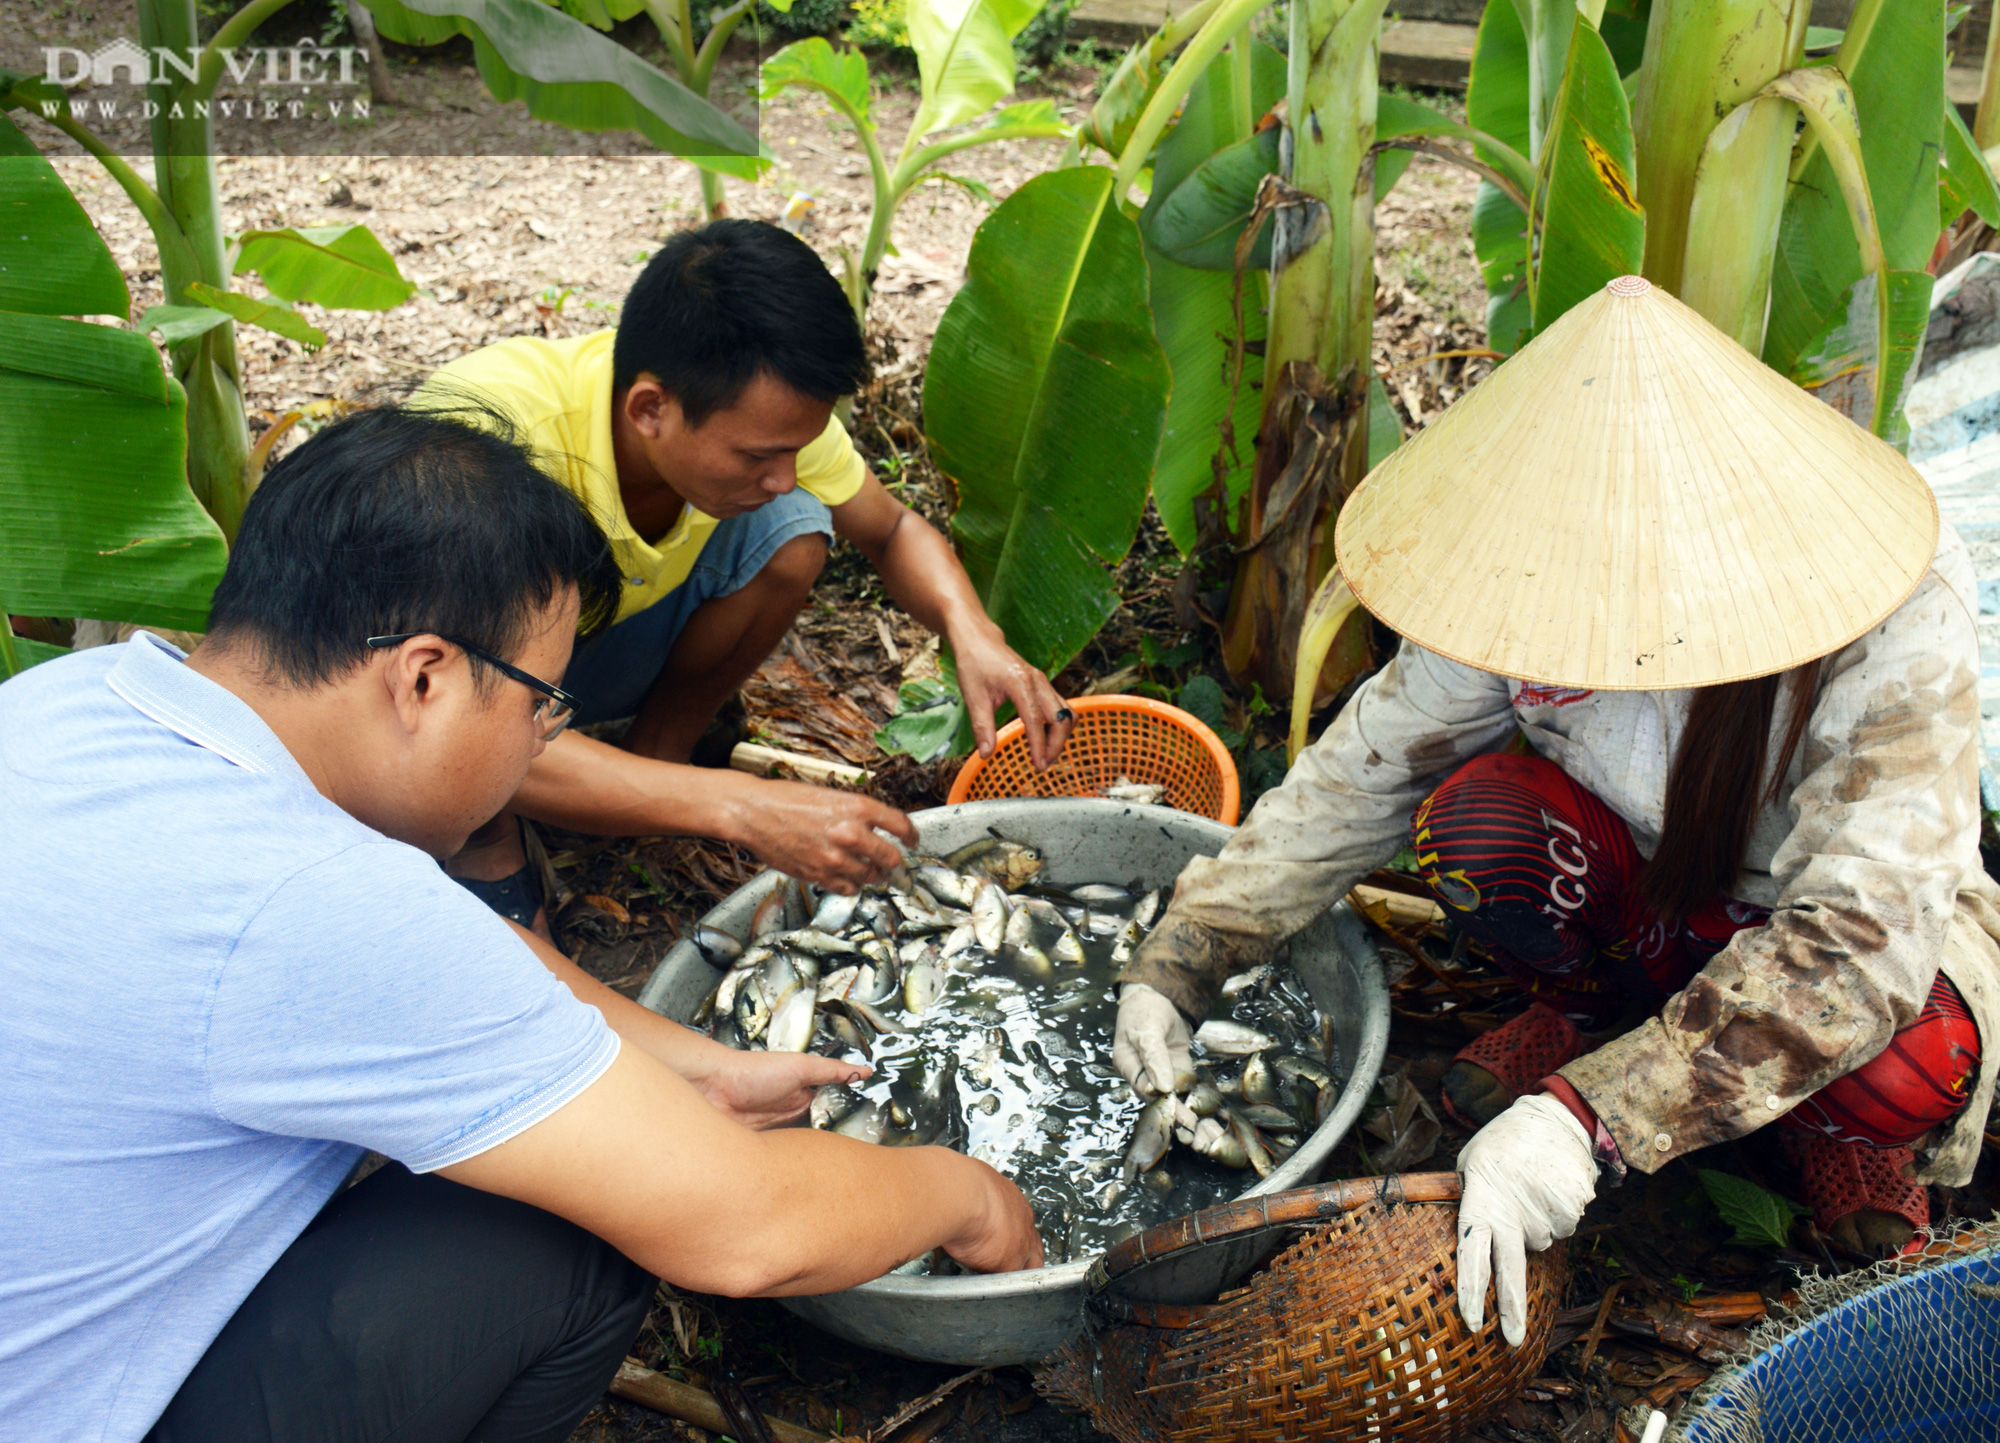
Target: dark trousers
414, 1310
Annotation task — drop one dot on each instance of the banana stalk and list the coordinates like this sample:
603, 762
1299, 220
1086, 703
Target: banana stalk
1705, 58
1312, 443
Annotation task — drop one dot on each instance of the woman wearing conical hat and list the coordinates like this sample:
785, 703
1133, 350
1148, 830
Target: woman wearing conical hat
1684, 730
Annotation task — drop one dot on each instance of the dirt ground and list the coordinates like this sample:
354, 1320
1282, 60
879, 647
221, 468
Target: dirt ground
545, 244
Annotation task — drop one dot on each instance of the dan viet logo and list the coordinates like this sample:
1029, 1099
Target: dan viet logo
294, 71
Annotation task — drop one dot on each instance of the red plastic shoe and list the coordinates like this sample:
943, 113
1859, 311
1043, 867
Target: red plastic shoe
1846, 1182
1495, 1068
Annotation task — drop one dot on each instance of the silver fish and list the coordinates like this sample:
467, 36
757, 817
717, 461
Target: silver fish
922, 985
962, 938
1205, 1099
867, 1123
1254, 1150
876, 984
836, 984
1093, 893
1214, 1140
1144, 793
1148, 909
752, 1013
1150, 1136
831, 1103
847, 1032
833, 913
778, 979
1290, 1064
1246, 981
791, 1028
769, 918
725, 990
954, 889
1129, 938
1266, 1116
1224, 1038
1258, 1083
818, 944
717, 946
990, 916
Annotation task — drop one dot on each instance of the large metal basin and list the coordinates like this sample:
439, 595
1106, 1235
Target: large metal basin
1021, 1317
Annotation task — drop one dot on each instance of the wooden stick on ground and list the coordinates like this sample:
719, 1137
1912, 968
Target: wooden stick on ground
758, 761
691, 1404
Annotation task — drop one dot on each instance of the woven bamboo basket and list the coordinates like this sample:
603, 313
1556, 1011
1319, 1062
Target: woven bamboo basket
1351, 1332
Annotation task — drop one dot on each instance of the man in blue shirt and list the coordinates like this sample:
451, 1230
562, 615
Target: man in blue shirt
272, 975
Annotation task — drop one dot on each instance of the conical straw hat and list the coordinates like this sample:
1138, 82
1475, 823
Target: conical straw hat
1633, 501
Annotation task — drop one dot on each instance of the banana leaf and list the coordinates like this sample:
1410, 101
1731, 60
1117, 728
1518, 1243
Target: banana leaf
341, 267
182, 323
1965, 180
96, 518
1588, 217
51, 260
1192, 315
568, 74
1045, 398
1496, 103
273, 316
965, 56
1892, 57
1207, 169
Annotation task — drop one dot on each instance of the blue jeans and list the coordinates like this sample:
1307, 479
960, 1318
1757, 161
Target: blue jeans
612, 672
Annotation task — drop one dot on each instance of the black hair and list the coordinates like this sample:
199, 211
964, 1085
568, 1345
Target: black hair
727, 300
406, 519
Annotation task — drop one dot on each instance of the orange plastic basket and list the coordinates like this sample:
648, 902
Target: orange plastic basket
1115, 736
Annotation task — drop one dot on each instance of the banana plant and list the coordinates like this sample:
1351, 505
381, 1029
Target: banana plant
965, 63
96, 518
693, 56
1793, 197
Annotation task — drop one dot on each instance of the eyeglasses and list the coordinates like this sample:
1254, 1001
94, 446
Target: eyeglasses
553, 710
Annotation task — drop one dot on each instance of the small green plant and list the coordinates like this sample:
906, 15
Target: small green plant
1761, 1218
965, 63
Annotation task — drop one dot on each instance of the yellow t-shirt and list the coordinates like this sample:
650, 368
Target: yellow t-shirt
559, 394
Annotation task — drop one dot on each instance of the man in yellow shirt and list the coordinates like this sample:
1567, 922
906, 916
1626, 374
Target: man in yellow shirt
701, 433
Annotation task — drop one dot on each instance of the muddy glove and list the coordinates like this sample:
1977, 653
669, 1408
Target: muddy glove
1150, 1046
1528, 1175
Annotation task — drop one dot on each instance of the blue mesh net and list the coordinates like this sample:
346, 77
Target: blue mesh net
1911, 1359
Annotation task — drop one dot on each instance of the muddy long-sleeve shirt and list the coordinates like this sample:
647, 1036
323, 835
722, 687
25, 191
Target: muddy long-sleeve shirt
1869, 862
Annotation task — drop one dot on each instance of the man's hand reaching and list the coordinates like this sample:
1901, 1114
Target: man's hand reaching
991, 672
829, 838
768, 1089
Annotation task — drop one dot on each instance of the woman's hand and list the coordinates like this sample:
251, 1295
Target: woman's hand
767, 1089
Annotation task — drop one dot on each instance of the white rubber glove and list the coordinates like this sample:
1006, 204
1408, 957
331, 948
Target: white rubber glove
1528, 1176
1150, 1046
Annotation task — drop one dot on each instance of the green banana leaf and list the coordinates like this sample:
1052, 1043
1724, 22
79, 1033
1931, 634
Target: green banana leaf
1193, 318
965, 56
341, 267
1200, 220
1122, 98
1496, 103
840, 75
96, 518
1028, 120
568, 74
1206, 170
274, 316
1839, 362
182, 323
1397, 117
1385, 427
1965, 180
1892, 59
1588, 216
51, 260
1045, 398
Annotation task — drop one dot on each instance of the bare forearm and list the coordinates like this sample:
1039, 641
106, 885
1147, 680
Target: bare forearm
923, 575
590, 786
686, 1051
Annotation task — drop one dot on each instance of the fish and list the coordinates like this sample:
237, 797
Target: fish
717, 946
836, 983
1127, 942
844, 1030
818, 944
1258, 1084
1224, 1038
990, 916
1266, 1116
1254, 1151
962, 938
1010, 864
1094, 893
752, 1013
769, 918
1205, 1099
922, 985
833, 913
876, 984
1249, 981
1127, 790
1290, 1064
723, 1000
1148, 910
791, 1028
831, 1103
1150, 1138
954, 889
867, 1123
777, 980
